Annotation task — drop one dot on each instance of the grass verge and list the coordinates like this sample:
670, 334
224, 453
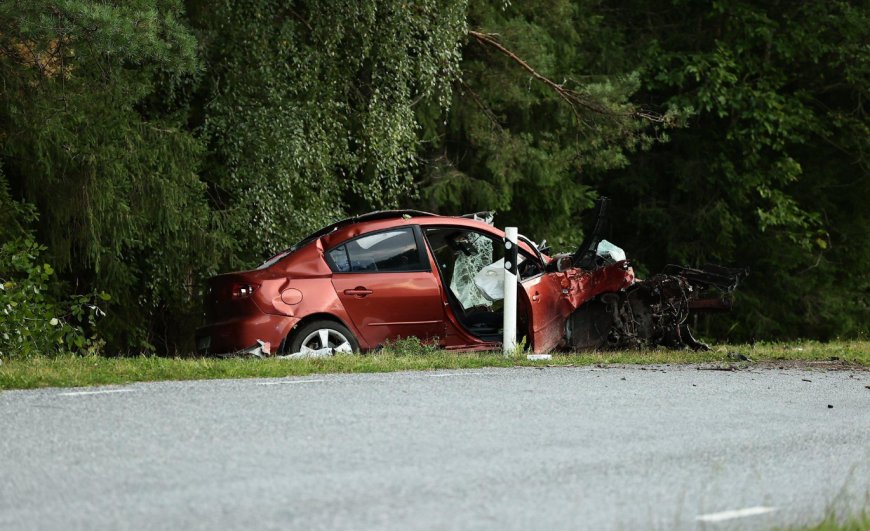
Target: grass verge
76, 371
832, 523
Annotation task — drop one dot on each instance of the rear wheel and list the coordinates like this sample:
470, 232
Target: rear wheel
318, 335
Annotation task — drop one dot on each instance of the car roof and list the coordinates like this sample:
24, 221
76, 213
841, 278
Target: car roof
378, 223
363, 221
371, 216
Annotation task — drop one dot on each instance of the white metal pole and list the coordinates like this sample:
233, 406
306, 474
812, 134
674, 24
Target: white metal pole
509, 331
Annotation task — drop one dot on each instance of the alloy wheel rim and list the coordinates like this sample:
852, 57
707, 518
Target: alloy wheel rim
323, 338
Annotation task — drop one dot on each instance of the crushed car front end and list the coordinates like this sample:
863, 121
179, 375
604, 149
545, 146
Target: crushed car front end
650, 312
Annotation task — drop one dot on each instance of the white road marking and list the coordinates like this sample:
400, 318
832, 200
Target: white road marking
290, 382
103, 392
441, 375
737, 513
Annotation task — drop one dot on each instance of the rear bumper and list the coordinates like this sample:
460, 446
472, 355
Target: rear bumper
238, 334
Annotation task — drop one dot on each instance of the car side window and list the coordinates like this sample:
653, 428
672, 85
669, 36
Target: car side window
339, 259
388, 251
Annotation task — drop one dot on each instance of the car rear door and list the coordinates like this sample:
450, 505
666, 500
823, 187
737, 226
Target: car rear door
387, 287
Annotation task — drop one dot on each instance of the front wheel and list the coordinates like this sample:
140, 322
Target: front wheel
318, 335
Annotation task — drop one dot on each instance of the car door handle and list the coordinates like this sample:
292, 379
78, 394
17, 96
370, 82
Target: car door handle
358, 291
536, 297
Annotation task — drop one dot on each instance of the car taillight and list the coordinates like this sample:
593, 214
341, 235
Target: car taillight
242, 291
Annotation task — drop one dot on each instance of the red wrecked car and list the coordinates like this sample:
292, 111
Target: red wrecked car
365, 280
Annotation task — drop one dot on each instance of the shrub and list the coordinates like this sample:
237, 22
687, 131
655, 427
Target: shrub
33, 321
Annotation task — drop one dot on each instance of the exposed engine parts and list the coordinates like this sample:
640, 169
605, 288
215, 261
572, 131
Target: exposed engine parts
650, 312
653, 312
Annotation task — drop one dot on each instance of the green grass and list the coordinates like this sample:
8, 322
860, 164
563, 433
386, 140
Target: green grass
832, 523
75, 371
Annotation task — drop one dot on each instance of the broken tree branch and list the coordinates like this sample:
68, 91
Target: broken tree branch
573, 98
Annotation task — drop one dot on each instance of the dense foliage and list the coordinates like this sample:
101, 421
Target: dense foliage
308, 108
773, 171
512, 143
161, 141
35, 316
94, 135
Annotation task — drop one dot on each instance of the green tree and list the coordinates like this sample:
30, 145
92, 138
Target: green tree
538, 116
160, 143
769, 171
772, 171
308, 109
92, 132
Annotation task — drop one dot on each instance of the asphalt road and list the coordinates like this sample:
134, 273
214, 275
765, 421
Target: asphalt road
558, 448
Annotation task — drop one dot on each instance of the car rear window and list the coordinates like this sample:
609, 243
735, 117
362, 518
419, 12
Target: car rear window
393, 250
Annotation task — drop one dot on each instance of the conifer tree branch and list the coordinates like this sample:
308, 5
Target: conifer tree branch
573, 98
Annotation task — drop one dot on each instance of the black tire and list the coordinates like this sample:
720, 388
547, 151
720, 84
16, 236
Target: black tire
590, 326
311, 334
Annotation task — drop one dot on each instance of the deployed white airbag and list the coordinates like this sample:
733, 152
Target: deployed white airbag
610, 252
490, 279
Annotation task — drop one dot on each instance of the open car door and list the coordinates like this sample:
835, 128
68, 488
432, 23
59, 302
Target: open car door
542, 294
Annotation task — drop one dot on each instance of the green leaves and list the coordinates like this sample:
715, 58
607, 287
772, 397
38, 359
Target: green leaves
311, 114
514, 143
34, 320
94, 135
772, 168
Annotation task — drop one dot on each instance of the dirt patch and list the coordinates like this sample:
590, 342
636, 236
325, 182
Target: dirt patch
810, 365
828, 365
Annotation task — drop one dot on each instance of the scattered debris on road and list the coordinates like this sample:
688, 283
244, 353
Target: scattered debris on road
717, 368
